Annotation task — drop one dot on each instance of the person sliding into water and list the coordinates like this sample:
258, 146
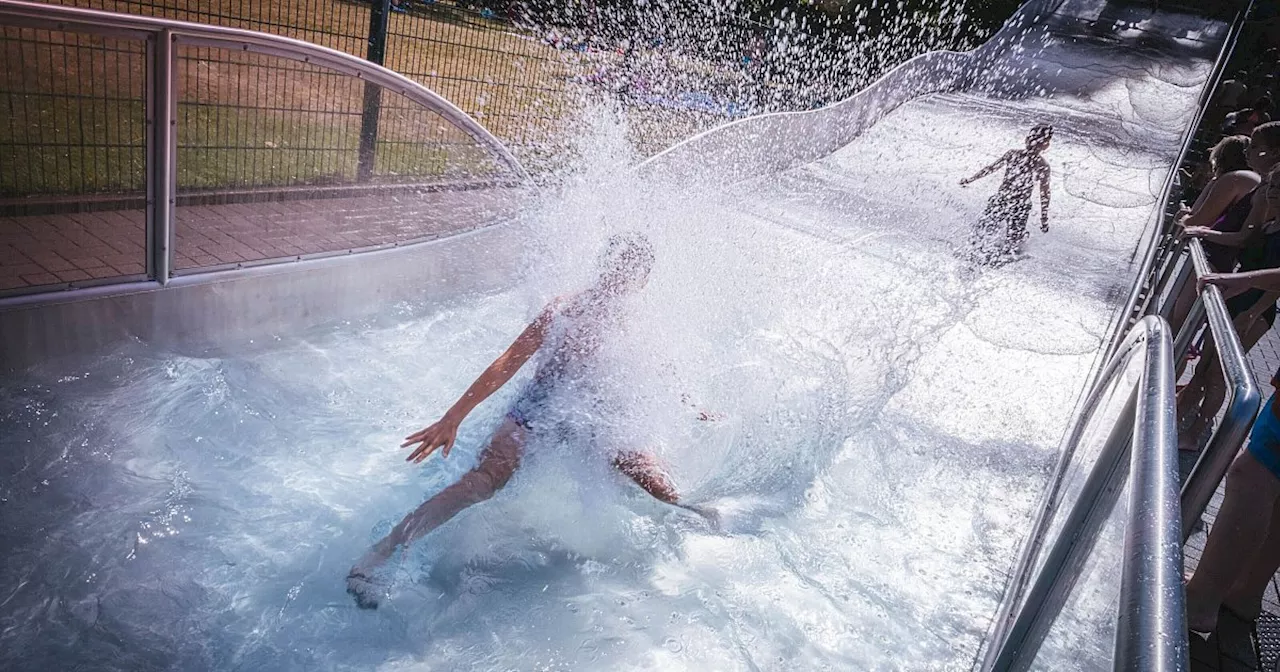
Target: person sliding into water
999, 234
568, 333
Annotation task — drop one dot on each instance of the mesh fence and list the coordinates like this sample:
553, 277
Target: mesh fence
74, 113
73, 123
676, 72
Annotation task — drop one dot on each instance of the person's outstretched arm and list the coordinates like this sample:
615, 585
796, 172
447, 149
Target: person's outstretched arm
988, 170
1240, 238
1044, 196
1232, 284
444, 432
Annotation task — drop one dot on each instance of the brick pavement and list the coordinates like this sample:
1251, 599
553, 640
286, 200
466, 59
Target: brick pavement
61, 250
58, 249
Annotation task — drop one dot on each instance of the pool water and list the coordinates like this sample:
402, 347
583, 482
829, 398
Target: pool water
890, 417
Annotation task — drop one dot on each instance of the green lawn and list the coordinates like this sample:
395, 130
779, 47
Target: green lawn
72, 121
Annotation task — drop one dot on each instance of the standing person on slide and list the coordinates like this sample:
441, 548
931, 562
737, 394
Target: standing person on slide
568, 333
999, 234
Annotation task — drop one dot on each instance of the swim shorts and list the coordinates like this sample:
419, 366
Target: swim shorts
1264, 440
530, 401
1241, 303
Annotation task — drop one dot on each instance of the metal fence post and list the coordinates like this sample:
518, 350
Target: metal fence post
379, 20
161, 155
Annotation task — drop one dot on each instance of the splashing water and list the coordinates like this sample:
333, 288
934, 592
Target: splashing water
889, 417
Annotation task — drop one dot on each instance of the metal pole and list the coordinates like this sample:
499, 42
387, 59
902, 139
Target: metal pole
1173, 261
1216, 459
161, 155
1151, 627
379, 21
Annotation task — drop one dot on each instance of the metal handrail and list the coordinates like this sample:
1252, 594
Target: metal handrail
1150, 634
1245, 399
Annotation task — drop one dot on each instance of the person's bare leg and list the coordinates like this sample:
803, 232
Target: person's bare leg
1238, 533
1190, 402
1182, 306
645, 471
1192, 394
649, 475
1245, 596
497, 463
1214, 393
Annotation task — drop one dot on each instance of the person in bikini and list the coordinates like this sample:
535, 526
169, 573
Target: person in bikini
1223, 205
1254, 310
567, 334
1000, 232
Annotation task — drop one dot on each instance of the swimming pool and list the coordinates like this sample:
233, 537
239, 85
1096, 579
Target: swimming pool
890, 417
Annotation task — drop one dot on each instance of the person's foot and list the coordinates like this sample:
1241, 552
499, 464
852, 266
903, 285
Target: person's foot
1202, 617
711, 515
363, 588
1248, 609
362, 583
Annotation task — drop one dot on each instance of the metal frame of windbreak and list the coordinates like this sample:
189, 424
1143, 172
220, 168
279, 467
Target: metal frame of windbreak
1151, 619
162, 36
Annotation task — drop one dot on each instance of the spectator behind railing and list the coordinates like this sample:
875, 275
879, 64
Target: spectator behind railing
1254, 311
1243, 549
1244, 121
1223, 205
1232, 92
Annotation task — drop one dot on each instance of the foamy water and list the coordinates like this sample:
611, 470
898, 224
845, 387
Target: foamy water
890, 417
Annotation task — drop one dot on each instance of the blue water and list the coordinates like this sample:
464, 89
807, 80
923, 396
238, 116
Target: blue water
890, 417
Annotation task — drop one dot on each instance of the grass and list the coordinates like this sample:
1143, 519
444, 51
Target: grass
75, 113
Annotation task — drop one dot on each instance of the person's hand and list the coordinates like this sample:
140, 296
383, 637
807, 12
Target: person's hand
1229, 284
1195, 231
440, 435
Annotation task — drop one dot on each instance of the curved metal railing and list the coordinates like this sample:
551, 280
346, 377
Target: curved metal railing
1150, 631
55, 17
1245, 399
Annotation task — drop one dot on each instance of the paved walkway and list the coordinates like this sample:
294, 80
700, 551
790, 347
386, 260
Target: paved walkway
1234, 647
63, 250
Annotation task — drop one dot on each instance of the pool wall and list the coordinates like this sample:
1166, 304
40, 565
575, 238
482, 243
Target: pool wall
198, 311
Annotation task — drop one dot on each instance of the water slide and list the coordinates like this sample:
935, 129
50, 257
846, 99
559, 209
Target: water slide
890, 413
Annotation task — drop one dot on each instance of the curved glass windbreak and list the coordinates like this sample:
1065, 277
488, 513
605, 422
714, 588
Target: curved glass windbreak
279, 159
1082, 637
1085, 457
250, 121
72, 168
